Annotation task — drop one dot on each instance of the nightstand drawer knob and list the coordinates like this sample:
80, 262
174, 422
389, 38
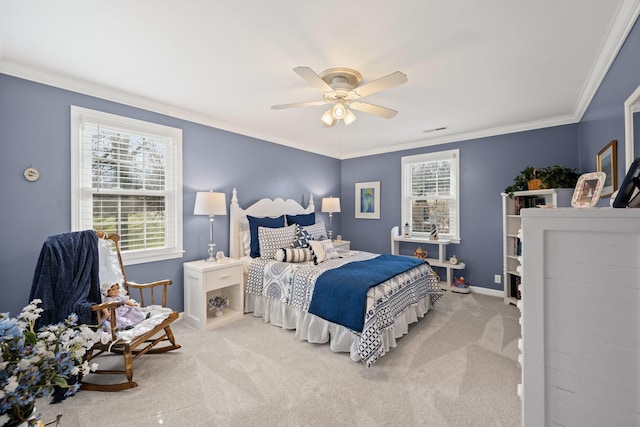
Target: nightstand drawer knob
224, 276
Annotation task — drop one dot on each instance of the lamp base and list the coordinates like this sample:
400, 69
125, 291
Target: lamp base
212, 251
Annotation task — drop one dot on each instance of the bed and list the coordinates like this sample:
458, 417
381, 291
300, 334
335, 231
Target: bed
359, 302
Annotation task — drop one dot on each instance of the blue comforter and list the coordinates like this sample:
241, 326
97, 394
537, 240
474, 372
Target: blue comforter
340, 294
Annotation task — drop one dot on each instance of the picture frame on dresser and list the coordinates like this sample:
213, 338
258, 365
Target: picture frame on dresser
588, 190
606, 161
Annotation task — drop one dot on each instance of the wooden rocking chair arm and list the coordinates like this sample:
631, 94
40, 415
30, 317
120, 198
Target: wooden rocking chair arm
166, 282
111, 306
107, 305
140, 296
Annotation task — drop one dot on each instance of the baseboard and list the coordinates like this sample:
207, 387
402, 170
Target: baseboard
487, 291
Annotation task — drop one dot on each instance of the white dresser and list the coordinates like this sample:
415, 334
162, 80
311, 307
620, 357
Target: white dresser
581, 317
205, 280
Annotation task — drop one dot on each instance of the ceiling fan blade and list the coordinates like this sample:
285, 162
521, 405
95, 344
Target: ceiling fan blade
313, 79
365, 107
298, 104
386, 82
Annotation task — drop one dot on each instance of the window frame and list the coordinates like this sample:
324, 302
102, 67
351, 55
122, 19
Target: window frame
449, 155
81, 196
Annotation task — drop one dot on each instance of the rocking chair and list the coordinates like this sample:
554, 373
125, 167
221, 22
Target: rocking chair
143, 338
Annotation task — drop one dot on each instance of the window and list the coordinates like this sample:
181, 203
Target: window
126, 178
430, 193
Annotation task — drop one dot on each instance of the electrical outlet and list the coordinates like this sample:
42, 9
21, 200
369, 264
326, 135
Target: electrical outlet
497, 278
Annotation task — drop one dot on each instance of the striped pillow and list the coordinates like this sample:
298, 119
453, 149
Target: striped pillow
294, 255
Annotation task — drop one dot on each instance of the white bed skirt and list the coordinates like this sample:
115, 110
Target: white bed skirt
314, 329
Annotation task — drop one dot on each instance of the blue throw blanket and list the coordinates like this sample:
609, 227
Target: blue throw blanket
66, 277
340, 294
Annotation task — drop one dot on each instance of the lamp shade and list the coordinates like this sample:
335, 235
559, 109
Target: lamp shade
327, 117
331, 204
210, 203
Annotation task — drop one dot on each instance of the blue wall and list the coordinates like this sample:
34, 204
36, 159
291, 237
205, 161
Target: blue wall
35, 130
604, 119
487, 167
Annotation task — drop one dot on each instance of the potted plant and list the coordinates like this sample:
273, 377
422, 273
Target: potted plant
556, 176
521, 181
38, 363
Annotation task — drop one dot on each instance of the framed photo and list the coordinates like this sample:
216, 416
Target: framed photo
368, 200
606, 161
588, 190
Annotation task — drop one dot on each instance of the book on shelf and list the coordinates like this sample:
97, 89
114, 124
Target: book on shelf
517, 247
514, 284
522, 202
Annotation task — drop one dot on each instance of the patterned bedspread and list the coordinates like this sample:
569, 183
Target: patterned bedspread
293, 284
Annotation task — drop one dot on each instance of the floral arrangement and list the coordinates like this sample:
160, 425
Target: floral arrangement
35, 364
218, 303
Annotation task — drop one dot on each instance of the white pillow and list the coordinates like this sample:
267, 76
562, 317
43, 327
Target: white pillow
246, 242
317, 230
272, 239
323, 250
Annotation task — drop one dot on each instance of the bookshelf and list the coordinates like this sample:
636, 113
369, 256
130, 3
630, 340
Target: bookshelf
441, 261
512, 232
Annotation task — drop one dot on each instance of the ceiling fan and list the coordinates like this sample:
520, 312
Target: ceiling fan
340, 87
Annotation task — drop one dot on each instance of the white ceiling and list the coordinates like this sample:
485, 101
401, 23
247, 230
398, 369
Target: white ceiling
477, 67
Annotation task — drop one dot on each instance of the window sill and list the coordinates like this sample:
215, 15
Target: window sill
144, 257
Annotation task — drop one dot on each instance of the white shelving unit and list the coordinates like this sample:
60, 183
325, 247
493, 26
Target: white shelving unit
441, 261
512, 231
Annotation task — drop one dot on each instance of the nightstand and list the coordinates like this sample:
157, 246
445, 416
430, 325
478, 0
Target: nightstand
342, 244
204, 280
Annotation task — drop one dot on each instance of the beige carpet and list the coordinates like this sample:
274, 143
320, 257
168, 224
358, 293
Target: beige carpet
457, 367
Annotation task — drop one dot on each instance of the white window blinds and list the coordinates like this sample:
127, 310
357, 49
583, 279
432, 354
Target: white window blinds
430, 193
128, 181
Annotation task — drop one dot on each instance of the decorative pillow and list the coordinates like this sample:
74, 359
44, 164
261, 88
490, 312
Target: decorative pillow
317, 230
254, 223
273, 238
323, 250
301, 239
302, 219
246, 242
294, 255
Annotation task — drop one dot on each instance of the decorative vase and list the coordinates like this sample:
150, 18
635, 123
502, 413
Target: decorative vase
433, 232
22, 416
218, 312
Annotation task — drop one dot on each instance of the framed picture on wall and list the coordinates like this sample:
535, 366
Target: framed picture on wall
606, 161
368, 200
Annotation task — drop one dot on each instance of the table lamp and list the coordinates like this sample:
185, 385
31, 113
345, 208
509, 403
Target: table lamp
212, 204
331, 205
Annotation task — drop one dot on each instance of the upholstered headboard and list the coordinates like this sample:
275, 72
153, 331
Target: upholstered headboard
238, 221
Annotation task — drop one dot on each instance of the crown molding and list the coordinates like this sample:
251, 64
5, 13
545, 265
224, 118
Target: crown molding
88, 88
621, 26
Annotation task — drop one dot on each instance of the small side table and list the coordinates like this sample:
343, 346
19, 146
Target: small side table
342, 244
204, 280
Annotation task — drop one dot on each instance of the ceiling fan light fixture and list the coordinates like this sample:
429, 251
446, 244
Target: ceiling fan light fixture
338, 111
349, 117
327, 118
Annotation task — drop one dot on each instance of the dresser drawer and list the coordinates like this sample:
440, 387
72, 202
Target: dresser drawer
223, 277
